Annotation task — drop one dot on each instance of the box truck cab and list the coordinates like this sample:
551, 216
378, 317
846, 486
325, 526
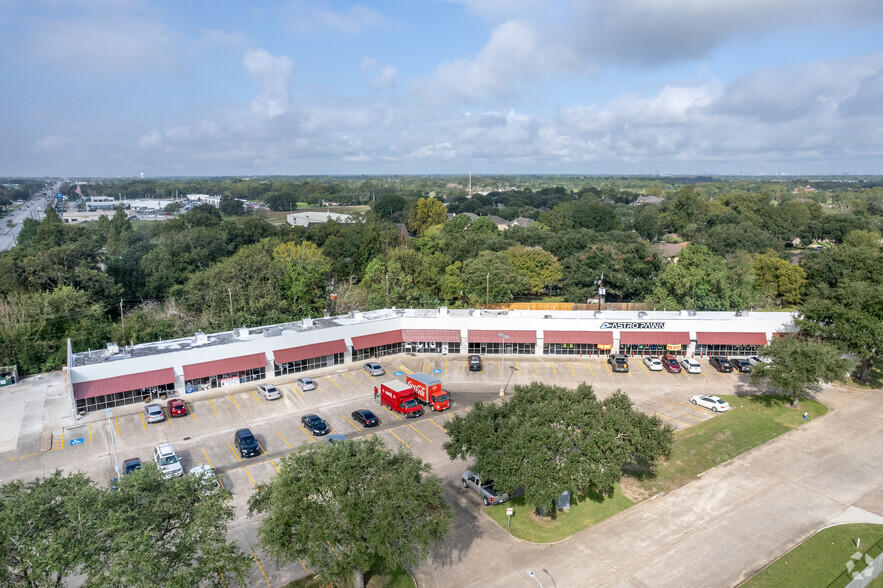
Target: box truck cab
399, 397
428, 391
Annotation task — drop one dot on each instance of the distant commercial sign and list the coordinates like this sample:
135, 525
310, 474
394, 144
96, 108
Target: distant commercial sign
634, 325
59, 195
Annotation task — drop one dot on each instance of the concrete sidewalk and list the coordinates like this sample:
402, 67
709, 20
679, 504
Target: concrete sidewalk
715, 531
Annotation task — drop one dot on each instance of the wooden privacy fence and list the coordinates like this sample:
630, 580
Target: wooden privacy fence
569, 306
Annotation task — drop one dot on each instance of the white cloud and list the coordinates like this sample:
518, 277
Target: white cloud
304, 17
274, 74
385, 79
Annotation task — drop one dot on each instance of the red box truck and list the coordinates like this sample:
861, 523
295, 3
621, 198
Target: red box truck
399, 397
428, 391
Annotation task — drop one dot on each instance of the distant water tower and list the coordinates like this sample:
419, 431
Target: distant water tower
142, 175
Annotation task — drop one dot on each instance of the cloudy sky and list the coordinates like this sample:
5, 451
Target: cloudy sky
121, 87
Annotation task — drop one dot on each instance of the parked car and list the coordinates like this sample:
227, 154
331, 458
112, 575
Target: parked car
207, 475
720, 363
177, 407
131, 465
691, 366
315, 424
756, 359
374, 369
618, 363
153, 413
246, 443
305, 383
365, 417
485, 489
742, 365
653, 364
474, 363
671, 364
712, 402
167, 461
270, 392
336, 438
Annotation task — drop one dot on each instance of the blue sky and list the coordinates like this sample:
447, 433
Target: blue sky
122, 87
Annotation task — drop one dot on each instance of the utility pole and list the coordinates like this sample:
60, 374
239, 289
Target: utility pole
122, 322
230, 294
601, 290
387, 289
487, 291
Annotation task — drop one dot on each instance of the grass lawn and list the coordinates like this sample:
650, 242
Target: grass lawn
377, 577
821, 559
753, 421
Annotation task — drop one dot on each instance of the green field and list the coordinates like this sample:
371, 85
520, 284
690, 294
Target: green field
821, 560
753, 421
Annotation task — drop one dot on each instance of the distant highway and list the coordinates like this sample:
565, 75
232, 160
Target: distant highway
33, 208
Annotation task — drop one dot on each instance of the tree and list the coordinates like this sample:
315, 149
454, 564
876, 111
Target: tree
390, 207
339, 509
699, 280
553, 439
46, 529
850, 317
231, 206
539, 267
798, 363
427, 213
172, 208
629, 271
491, 277
307, 270
158, 532
778, 278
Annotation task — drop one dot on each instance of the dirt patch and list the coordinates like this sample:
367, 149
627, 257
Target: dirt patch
632, 489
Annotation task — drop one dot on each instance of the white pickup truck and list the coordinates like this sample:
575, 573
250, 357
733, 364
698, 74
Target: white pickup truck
486, 490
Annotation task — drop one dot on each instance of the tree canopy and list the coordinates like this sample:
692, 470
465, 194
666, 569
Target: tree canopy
796, 364
552, 439
341, 507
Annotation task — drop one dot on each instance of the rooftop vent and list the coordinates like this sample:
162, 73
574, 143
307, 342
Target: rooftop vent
241, 333
113, 348
272, 332
442, 311
200, 337
641, 314
598, 314
307, 321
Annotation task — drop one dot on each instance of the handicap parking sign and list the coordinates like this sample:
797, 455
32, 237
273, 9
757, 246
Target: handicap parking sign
78, 441
399, 373
436, 371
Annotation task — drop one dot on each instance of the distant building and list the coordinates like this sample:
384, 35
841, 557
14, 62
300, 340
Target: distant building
204, 199
84, 217
305, 219
647, 200
522, 221
670, 251
501, 223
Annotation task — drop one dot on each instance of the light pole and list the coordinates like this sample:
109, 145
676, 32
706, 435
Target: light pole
534, 576
502, 362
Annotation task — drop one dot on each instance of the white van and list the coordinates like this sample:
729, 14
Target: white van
167, 461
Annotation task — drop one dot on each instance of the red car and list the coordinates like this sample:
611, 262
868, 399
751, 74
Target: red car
177, 408
671, 364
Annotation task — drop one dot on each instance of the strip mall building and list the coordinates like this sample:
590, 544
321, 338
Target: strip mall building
113, 376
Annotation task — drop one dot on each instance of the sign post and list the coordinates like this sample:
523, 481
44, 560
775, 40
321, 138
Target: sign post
509, 512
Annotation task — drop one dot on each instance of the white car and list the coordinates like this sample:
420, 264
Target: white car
691, 366
653, 364
373, 369
756, 359
712, 402
305, 383
167, 461
206, 474
270, 392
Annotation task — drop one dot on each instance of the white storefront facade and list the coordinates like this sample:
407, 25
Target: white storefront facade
115, 376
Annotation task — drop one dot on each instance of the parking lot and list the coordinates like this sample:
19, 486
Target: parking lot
205, 434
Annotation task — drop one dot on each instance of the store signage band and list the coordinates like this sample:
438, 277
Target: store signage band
634, 325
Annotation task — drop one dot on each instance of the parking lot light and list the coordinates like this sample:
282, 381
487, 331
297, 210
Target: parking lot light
534, 576
503, 363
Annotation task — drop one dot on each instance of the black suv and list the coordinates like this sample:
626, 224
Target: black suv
742, 365
618, 363
474, 363
246, 443
720, 363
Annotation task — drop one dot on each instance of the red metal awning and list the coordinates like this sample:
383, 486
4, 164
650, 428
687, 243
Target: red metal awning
494, 337
377, 339
124, 383
653, 338
584, 337
224, 366
731, 338
434, 335
309, 351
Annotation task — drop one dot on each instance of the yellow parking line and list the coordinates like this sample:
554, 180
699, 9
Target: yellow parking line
236, 453
168, 416
283, 439
143, 424
671, 419
535, 368
393, 414
23, 456
259, 564
516, 368
256, 398
590, 369
213, 407
207, 459
348, 376
303, 566
90, 432
464, 366
352, 423
421, 434
190, 411
685, 414
308, 435
572, 371
437, 425
400, 439
445, 370
500, 366
118, 426
296, 391
694, 407
234, 402
404, 369
247, 473
334, 551
321, 391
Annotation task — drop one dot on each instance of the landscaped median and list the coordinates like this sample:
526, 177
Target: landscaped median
753, 421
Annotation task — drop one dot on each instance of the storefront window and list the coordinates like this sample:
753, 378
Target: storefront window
581, 349
313, 363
